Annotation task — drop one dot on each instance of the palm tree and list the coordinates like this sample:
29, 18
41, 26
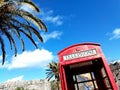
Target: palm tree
15, 22
53, 71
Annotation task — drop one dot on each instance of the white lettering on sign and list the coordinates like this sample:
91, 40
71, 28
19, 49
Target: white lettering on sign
80, 54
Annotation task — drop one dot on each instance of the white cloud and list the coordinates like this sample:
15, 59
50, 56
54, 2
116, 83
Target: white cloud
49, 17
55, 20
19, 78
0, 57
37, 59
53, 35
115, 34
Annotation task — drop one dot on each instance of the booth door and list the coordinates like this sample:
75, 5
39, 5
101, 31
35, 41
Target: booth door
87, 76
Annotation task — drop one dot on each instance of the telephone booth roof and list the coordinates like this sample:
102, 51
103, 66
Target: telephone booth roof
88, 43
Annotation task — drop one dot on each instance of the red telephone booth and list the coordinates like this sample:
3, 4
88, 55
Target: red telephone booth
84, 66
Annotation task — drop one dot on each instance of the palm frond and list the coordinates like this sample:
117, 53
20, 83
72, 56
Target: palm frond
36, 33
17, 24
29, 37
29, 17
3, 49
50, 77
11, 40
15, 30
29, 4
3, 4
36, 21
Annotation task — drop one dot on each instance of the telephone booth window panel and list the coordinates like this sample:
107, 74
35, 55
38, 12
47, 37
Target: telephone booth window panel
86, 80
105, 79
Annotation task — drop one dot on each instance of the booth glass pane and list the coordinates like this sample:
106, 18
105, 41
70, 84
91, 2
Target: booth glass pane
107, 83
83, 77
79, 86
85, 81
103, 72
85, 86
106, 80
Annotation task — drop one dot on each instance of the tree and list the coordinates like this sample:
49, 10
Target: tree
53, 71
16, 22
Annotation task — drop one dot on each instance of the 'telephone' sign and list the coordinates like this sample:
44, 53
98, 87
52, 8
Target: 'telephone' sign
80, 54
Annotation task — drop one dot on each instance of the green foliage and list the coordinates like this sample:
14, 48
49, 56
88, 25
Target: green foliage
19, 88
54, 85
16, 22
53, 71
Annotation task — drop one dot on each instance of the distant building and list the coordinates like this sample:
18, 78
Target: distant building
27, 85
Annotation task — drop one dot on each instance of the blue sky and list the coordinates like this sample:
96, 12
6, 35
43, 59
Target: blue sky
69, 22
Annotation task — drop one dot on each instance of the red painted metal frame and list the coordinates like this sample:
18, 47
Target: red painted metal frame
78, 48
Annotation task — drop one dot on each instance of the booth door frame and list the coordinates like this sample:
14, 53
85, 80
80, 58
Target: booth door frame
64, 80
